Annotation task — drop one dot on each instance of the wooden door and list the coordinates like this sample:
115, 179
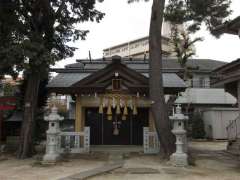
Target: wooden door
130, 130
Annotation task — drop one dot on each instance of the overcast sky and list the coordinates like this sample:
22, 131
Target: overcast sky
124, 22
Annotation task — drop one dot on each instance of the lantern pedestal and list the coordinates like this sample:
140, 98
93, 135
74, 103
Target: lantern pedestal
179, 158
52, 154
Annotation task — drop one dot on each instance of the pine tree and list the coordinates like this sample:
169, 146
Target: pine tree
193, 12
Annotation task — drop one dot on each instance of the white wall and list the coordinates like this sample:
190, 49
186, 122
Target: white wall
217, 119
206, 96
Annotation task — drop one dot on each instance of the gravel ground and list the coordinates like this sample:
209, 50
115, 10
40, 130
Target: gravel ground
211, 162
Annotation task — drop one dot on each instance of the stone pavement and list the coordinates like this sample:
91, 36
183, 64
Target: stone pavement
211, 163
94, 172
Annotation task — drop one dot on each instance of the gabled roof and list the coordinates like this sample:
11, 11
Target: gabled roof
228, 66
228, 73
74, 79
103, 78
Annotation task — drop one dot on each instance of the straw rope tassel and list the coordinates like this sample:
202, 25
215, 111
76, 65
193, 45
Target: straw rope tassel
100, 110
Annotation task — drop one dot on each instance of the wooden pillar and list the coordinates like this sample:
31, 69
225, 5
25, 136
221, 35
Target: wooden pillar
238, 95
79, 115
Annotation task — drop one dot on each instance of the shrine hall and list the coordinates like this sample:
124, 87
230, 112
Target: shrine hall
111, 97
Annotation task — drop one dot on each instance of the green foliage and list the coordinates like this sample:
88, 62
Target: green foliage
196, 12
183, 46
35, 34
192, 14
198, 131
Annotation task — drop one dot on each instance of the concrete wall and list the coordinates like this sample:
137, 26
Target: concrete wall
209, 96
216, 120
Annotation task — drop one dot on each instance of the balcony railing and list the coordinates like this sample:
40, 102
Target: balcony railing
198, 83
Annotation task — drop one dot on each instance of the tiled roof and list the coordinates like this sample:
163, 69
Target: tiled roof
73, 73
66, 79
170, 80
141, 65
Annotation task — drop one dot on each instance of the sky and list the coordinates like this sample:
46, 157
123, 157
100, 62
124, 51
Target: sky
125, 22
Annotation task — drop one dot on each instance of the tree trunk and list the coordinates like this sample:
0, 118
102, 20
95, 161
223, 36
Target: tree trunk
26, 147
158, 108
185, 72
238, 96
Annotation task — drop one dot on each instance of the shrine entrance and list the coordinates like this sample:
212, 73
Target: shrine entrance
116, 131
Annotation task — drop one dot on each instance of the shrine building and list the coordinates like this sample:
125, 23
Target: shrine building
111, 98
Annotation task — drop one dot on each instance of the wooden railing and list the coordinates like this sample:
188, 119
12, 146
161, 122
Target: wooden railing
74, 142
151, 143
233, 129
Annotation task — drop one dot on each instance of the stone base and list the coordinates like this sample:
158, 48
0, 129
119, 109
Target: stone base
179, 160
51, 158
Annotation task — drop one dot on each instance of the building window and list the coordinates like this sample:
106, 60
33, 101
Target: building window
116, 84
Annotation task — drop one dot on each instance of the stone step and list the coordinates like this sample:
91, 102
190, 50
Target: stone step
234, 152
94, 172
115, 157
233, 147
235, 142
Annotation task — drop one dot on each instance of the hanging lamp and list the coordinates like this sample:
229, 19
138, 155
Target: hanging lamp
134, 106
134, 110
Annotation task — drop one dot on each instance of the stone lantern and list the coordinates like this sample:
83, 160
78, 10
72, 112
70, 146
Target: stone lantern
179, 158
52, 153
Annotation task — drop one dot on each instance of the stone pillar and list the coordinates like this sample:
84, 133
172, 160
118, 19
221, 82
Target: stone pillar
179, 158
52, 153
